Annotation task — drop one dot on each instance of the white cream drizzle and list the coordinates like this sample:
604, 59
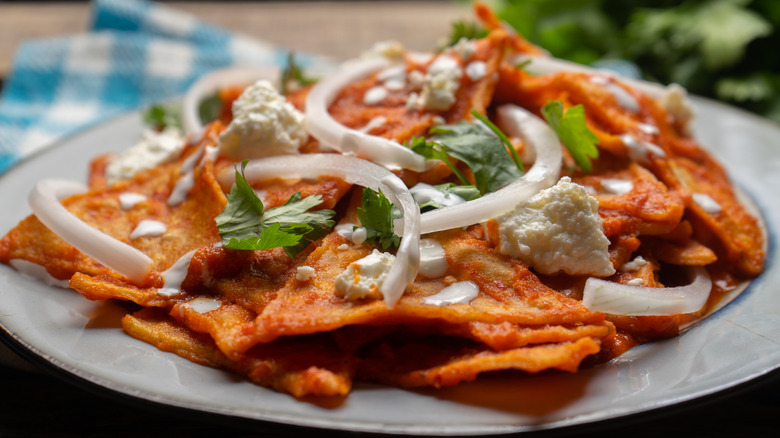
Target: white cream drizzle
374, 123
617, 186
148, 228
204, 304
355, 235
433, 261
461, 292
174, 276
424, 193
648, 129
359, 235
623, 97
706, 202
186, 181
129, 200
640, 151
37, 272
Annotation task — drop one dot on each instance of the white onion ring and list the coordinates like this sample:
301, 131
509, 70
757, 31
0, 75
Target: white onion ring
116, 255
211, 83
543, 65
364, 173
517, 122
620, 299
336, 136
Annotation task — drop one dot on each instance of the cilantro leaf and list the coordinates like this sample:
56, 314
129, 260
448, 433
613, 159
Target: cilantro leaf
270, 237
435, 151
573, 132
376, 215
504, 139
484, 153
293, 76
160, 116
244, 224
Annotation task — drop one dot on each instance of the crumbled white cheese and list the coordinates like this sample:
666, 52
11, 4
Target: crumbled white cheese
416, 79
374, 95
264, 124
476, 70
304, 273
676, 103
558, 229
440, 84
465, 48
636, 282
634, 265
392, 50
364, 277
153, 149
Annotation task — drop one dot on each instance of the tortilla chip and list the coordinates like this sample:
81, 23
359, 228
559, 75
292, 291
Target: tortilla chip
648, 208
442, 363
508, 292
310, 366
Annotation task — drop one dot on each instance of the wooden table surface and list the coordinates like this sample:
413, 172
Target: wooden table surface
36, 404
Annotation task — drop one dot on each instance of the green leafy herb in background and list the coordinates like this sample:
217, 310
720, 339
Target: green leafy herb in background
377, 215
161, 116
245, 224
293, 76
573, 132
210, 108
723, 49
464, 29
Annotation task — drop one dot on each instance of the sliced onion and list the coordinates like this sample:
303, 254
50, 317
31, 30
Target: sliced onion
517, 122
350, 141
620, 299
542, 65
109, 251
211, 83
364, 173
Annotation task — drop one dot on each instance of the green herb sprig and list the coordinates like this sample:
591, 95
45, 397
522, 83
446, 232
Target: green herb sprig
573, 132
377, 215
245, 224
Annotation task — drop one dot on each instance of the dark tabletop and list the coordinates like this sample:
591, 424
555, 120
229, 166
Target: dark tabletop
42, 404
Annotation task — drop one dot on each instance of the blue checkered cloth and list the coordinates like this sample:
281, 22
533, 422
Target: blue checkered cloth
137, 52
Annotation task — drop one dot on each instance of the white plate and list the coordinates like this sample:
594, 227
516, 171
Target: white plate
83, 338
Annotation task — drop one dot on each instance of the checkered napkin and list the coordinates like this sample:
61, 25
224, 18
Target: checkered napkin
136, 53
